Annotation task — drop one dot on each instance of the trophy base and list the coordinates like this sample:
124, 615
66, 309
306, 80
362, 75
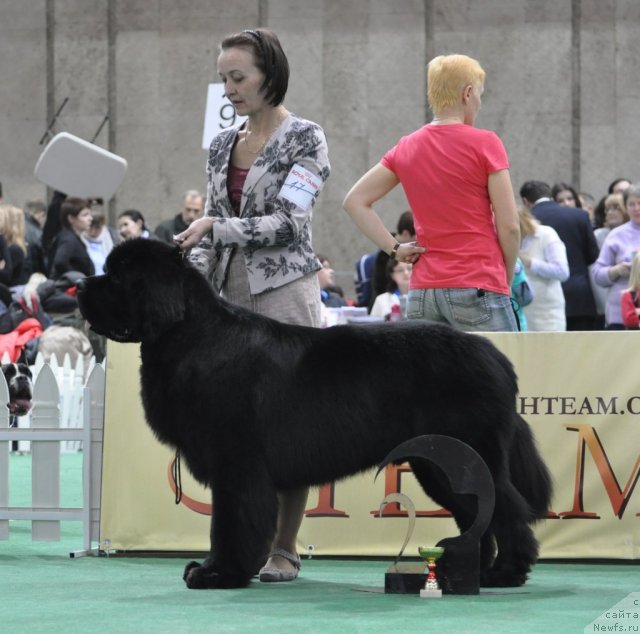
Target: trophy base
430, 594
405, 578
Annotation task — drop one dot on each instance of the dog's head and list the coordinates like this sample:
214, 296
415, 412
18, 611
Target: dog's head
18, 377
141, 294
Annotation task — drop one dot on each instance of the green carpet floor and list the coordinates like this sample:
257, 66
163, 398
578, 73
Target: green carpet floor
43, 590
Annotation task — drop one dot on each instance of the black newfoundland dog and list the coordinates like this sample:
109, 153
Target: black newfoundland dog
256, 407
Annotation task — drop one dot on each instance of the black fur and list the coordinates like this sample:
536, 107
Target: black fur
257, 407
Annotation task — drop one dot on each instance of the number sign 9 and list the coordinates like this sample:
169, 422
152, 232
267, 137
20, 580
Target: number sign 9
219, 114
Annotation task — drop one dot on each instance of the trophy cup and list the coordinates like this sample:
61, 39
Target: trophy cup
460, 573
431, 588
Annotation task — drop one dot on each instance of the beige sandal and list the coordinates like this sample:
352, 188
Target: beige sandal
275, 574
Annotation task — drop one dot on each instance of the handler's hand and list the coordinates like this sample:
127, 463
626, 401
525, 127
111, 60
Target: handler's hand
192, 235
409, 252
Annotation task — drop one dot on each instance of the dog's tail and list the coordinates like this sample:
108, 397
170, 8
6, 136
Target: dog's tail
529, 473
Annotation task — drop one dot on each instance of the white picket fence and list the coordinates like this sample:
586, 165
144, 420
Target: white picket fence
67, 415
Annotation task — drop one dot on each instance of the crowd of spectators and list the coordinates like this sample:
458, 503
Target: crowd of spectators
46, 248
577, 256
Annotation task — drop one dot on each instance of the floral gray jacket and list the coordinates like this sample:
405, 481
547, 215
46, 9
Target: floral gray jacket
273, 229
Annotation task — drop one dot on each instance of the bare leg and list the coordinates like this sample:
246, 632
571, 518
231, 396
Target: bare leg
290, 515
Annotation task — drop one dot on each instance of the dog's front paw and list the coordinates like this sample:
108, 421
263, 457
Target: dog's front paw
195, 577
199, 577
188, 568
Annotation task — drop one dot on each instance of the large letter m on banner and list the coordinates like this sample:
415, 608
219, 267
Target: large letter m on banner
619, 498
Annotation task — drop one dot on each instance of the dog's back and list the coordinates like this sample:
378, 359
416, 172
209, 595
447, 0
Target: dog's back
375, 387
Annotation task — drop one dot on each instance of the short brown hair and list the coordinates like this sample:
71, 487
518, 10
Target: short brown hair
72, 207
269, 58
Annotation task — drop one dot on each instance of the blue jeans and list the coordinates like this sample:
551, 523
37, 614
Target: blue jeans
469, 309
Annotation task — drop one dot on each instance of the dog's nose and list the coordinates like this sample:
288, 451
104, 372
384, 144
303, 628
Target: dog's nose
81, 284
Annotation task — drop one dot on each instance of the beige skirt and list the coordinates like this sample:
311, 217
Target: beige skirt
297, 302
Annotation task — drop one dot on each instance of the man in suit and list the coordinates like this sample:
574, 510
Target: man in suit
575, 230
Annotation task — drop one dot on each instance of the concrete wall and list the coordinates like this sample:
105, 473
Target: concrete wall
562, 87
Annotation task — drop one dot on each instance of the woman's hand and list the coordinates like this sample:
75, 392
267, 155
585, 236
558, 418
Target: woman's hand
409, 252
623, 269
192, 235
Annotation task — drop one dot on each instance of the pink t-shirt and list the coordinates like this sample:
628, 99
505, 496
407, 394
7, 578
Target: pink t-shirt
444, 170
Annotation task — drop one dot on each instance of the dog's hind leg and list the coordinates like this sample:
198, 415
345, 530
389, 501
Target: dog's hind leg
529, 473
517, 546
245, 507
436, 485
521, 500
463, 507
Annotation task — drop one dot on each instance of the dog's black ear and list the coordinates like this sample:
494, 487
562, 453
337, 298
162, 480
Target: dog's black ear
163, 302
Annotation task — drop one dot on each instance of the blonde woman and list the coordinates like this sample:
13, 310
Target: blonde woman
615, 214
12, 227
456, 179
545, 260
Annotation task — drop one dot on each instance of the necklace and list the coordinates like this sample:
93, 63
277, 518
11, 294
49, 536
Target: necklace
246, 136
267, 137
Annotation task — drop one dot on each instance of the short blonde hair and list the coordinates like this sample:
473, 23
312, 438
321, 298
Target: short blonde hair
447, 75
615, 200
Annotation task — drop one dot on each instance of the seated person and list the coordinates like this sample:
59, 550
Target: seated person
331, 295
371, 277
398, 276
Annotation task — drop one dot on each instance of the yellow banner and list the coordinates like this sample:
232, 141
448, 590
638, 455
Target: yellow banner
579, 392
